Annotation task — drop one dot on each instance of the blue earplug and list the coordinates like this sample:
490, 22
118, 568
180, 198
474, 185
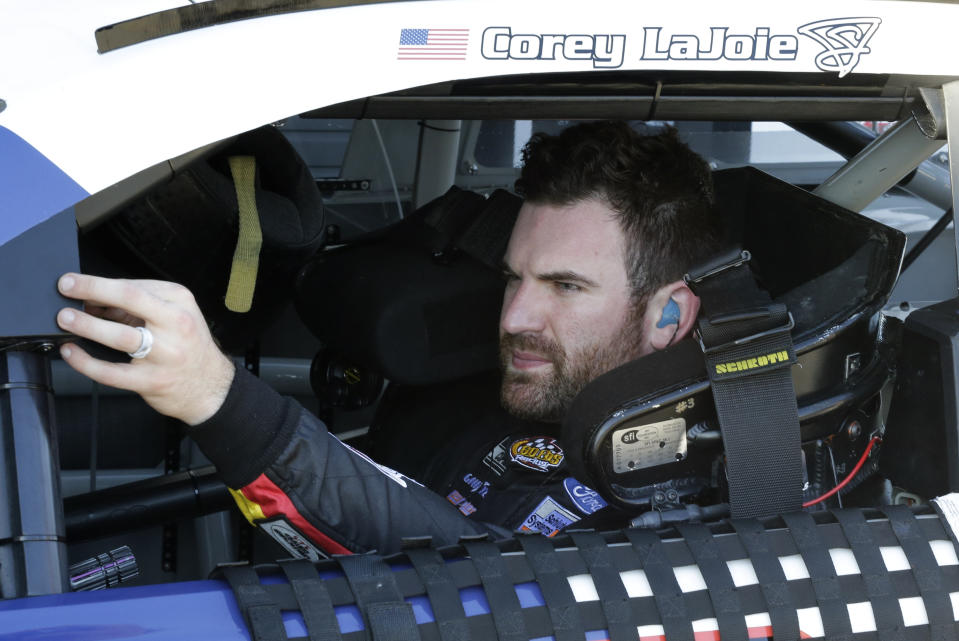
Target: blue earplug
670, 315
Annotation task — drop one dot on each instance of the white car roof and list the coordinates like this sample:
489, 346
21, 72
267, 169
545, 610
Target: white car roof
100, 109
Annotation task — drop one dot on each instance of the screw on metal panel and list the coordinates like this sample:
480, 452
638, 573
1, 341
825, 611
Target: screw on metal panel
853, 430
45, 348
853, 364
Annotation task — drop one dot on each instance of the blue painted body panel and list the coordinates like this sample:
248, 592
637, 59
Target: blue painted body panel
191, 610
32, 189
184, 611
200, 610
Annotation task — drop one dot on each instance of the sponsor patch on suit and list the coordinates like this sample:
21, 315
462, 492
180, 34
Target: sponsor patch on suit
548, 518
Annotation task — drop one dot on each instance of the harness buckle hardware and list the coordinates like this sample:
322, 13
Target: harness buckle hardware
787, 327
735, 260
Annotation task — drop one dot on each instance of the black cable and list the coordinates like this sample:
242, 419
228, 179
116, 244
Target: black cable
926, 240
673, 337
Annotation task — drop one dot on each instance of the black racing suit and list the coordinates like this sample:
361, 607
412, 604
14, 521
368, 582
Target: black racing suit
314, 494
494, 467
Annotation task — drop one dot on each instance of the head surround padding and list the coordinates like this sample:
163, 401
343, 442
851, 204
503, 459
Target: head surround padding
833, 269
632, 384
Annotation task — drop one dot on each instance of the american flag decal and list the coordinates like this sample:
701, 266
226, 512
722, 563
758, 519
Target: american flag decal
433, 44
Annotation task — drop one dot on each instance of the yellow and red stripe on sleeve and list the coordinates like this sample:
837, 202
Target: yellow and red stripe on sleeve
262, 500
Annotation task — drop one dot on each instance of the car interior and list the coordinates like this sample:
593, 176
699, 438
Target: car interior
379, 286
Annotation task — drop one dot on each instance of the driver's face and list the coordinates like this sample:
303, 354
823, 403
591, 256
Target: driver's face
567, 311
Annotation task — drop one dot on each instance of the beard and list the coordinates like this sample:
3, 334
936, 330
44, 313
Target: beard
546, 396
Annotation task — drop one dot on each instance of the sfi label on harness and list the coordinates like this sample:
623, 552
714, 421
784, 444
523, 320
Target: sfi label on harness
642, 446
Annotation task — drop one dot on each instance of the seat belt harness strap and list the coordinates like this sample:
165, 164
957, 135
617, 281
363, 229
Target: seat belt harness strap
747, 344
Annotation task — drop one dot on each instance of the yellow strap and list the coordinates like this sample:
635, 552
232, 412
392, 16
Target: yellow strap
252, 511
246, 258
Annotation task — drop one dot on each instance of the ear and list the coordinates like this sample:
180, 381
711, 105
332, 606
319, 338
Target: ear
659, 333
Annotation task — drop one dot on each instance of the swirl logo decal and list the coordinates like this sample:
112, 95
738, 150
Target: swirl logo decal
845, 40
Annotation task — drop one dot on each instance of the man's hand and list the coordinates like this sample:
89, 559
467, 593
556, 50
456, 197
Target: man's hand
185, 375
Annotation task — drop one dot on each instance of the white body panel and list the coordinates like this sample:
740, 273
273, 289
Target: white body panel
102, 117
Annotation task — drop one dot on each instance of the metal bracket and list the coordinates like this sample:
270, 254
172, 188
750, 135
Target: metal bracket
329, 186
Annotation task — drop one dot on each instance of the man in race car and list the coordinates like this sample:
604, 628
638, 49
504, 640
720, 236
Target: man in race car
610, 222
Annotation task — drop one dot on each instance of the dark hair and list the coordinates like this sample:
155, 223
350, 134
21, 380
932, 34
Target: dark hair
660, 189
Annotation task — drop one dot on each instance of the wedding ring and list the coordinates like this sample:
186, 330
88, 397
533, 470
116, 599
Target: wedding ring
146, 343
